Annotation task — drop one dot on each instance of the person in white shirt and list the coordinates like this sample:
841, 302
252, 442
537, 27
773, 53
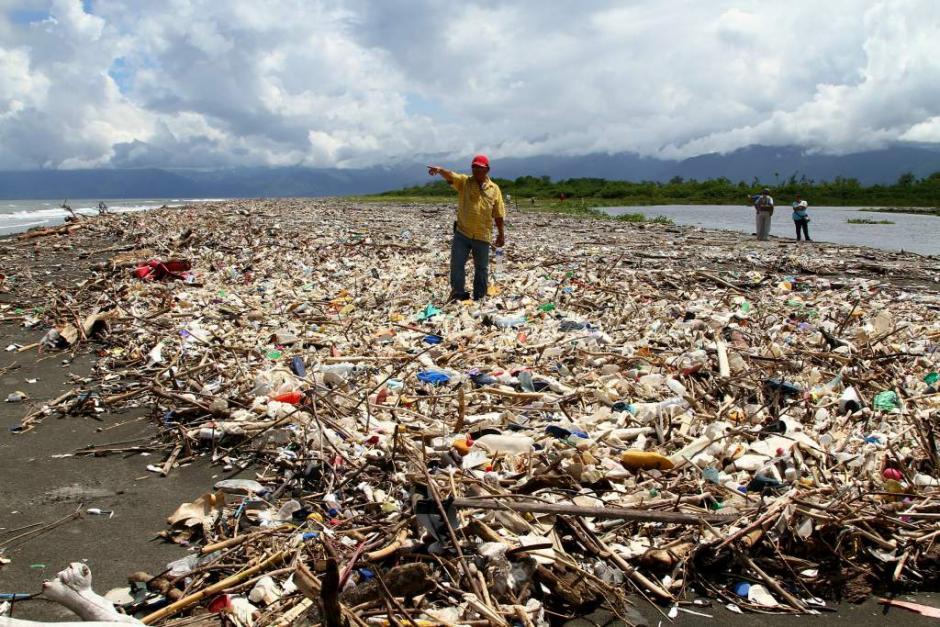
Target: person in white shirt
764, 208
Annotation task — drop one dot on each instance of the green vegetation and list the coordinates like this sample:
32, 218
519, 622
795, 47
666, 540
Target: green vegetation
585, 193
631, 217
867, 221
639, 217
921, 211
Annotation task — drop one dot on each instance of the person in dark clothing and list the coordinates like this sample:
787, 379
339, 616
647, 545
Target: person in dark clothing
800, 218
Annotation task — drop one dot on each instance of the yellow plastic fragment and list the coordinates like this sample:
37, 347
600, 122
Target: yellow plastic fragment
645, 460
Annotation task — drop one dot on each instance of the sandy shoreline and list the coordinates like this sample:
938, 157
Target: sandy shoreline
311, 236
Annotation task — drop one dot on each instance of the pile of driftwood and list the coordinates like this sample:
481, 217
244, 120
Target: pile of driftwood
636, 412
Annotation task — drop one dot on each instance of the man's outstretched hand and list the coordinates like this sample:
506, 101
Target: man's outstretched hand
434, 170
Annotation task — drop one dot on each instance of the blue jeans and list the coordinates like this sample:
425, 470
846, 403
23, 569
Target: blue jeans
460, 249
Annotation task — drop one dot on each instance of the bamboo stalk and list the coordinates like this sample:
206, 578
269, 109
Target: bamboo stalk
623, 513
196, 597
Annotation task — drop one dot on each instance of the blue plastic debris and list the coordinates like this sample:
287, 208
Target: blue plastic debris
762, 482
742, 588
558, 432
433, 377
428, 312
784, 387
481, 379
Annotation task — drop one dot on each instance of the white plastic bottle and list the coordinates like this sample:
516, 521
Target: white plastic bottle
511, 444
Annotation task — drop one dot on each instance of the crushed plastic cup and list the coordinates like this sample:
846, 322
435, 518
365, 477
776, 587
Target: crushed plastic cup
849, 402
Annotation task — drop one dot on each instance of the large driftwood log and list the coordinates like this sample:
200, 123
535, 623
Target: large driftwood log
17, 622
72, 588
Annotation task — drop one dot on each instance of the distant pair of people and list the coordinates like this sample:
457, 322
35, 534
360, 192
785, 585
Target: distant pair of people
764, 208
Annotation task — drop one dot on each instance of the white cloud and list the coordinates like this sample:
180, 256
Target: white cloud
197, 83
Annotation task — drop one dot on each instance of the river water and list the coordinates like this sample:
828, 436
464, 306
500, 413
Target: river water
913, 233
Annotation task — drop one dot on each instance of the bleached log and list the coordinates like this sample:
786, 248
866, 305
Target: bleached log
18, 622
72, 588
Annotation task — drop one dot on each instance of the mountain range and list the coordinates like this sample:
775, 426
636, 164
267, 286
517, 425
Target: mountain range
766, 164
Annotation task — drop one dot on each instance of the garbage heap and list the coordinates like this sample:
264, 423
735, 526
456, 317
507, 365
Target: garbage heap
635, 412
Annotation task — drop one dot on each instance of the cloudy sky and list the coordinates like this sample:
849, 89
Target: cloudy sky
210, 83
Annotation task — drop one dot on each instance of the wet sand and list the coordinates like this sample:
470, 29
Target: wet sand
40, 484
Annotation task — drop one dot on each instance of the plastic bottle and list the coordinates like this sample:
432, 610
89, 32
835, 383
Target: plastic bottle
505, 378
287, 510
784, 387
511, 444
337, 374
645, 412
675, 386
824, 389
509, 322
652, 380
462, 444
762, 482
525, 380
787, 468
240, 486
926, 481
332, 504
297, 366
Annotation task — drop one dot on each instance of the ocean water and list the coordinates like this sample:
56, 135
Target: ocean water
910, 232
19, 215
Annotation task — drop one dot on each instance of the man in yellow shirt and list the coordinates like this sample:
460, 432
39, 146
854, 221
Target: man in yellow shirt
479, 206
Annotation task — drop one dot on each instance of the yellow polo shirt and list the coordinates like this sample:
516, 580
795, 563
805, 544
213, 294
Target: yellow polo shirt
477, 207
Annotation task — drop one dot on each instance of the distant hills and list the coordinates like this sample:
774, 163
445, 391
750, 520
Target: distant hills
767, 164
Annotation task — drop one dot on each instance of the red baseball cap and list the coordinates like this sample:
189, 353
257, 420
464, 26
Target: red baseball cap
481, 160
